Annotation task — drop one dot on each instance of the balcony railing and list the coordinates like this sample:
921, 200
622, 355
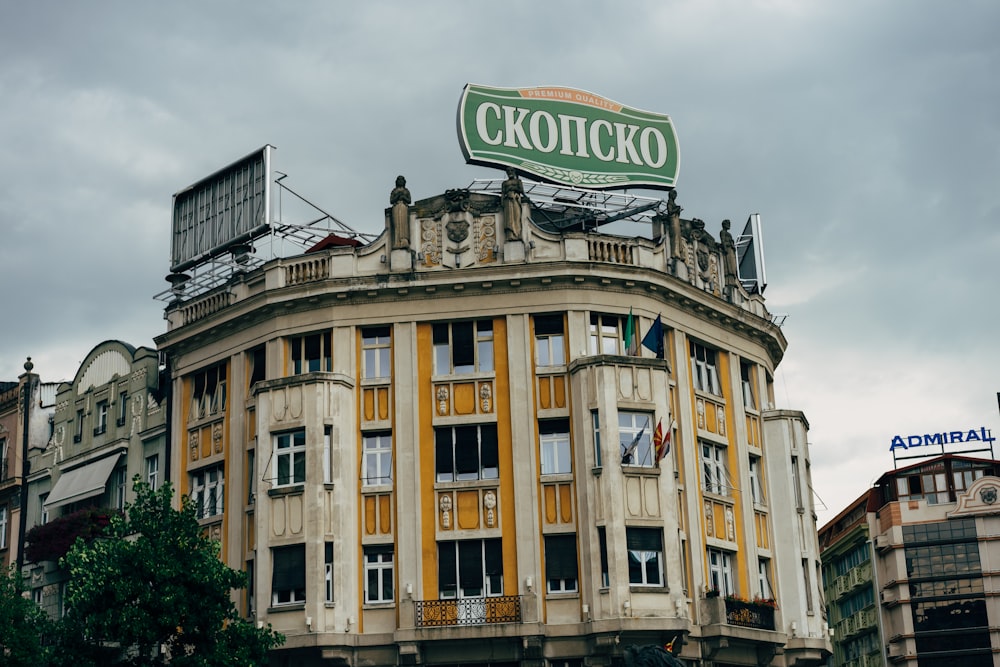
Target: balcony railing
468, 611
749, 615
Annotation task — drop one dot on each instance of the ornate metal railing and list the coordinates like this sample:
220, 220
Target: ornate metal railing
468, 611
749, 615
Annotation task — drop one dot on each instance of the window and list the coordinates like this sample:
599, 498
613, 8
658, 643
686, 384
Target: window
207, 491
704, 370
311, 353
153, 471
715, 475
553, 444
290, 452
796, 482
645, 556
549, 341
805, 579
756, 488
4, 453
720, 572
748, 385
328, 569
251, 478
378, 574
3, 527
605, 334
78, 434
288, 577
327, 456
375, 350
43, 514
102, 418
466, 453
470, 568
122, 408
463, 347
376, 464
764, 579
560, 564
597, 438
208, 394
118, 487
258, 365
635, 439
602, 543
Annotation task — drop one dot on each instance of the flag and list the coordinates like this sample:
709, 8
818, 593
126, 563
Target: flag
630, 450
661, 442
653, 340
631, 343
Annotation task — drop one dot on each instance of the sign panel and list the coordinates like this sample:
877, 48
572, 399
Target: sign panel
567, 136
230, 207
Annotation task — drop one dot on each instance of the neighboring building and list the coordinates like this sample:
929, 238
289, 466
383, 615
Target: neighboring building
40, 398
930, 599
109, 426
436, 448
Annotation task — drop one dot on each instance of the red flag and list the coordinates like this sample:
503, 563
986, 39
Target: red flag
658, 441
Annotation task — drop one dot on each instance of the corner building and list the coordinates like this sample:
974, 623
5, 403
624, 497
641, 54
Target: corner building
436, 449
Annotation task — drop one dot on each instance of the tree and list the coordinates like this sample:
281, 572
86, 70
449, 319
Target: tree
152, 591
22, 624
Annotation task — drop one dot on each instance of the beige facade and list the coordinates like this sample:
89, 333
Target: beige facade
445, 453
108, 426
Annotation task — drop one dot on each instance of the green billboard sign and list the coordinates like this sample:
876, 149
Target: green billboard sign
568, 136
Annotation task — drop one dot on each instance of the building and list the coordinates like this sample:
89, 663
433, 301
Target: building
438, 447
18, 435
907, 567
109, 426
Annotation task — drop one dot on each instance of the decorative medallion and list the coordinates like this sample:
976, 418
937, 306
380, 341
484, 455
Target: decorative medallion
988, 494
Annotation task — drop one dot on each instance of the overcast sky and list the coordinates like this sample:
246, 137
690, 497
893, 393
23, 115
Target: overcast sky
866, 134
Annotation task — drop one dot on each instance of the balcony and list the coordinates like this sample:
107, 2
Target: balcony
468, 611
749, 615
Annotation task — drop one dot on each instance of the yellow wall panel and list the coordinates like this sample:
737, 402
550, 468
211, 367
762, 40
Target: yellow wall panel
559, 388
566, 502
368, 403
545, 393
549, 495
383, 403
467, 509
370, 517
385, 513
465, 398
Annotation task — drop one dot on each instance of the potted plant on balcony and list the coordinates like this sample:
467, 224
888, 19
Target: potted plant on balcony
50, 541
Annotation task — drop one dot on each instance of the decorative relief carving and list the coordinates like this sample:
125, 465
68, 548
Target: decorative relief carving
490, 504
217, 437
721, 415
709, 520
430, 241
486, 237
700, 407
486, 396
730, 525
442, 399
193, 444
445, 506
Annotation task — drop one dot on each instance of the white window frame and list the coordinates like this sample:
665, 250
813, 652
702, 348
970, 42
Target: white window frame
756, 483
376, 457
43, 513
290, 458
4, 452
328, 570
380, 566
491, 588
289, 596
642, 557
554, 451
764, 578
605, 334
721, 575
550, 345
119, 477
748, 385
153, 471
630, 426
483, 472
560, 584
3, 527
102, 418
596, 421
444, 351
705, 368
122, 408
714, 467
376, 349
208, 487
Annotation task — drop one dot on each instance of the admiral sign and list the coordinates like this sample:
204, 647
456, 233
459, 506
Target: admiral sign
567, 136
972, 435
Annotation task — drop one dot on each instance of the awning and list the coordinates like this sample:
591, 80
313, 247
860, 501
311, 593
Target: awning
82, 483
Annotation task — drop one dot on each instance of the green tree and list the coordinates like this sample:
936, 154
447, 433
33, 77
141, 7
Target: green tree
153, 591
22, 624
